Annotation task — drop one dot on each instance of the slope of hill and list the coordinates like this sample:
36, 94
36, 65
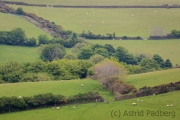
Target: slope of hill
149, 109
18, 53
9, 22
124, 22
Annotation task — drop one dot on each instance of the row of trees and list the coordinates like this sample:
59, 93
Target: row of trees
91, 35
14, 103
13, 72
135, 64
16, 36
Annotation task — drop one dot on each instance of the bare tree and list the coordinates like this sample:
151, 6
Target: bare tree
107, 70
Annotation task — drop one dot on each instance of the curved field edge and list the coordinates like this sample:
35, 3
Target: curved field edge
99, 111
10, 21
100, 2
168, 49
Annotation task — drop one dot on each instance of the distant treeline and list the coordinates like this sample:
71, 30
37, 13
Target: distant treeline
19, 103
94, 6
17, 36
175, 34
91, 35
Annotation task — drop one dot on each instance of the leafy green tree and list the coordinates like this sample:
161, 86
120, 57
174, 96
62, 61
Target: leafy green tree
158, 58
70, 56
50, 52
17, 37
110, 49
31, 42
43, 39
97, 58
121, 53
85, 53
19, 11
130, 59
149, 65
101, 51
77, 47
168, 64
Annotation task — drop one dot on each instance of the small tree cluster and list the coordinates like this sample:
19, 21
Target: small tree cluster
12, 72
16, 37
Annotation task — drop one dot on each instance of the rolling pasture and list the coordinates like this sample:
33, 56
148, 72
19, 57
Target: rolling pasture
168, 49
124, 22
18, 53
9, 22
101, 2
98, 110
72, 87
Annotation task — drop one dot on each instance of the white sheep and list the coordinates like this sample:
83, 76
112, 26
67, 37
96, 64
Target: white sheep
167, 105
171, 105
82, 85
134, 104
62, 81
52, 107
138, 99
20, 97
154, 94
58, 108
74, 107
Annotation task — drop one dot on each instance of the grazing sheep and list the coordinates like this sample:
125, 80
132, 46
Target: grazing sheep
141, 100
52, 107
20, 97
154, 94
58, 108
74, 107
138, 99
134, 104
167, 105
171, 105
62, 81
82, 85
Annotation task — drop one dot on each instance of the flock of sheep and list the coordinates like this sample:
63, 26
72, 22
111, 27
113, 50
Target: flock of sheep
134, 104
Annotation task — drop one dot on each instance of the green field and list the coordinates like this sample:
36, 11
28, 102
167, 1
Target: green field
129, 22
93, 110
101, 111
102, 2
56, 87
9, 22
168, 49
154, 78
18, 53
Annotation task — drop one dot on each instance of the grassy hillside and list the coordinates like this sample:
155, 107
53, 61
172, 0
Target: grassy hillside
18, 53
9, 22
129, 22
71, 87
168, 49
108, 111
154, 78
102, 2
